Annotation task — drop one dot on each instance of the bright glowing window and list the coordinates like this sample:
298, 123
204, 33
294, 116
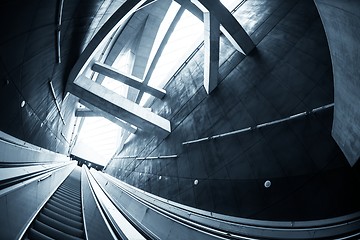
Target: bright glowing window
100, 135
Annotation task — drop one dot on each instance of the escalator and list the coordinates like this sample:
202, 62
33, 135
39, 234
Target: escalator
61, 217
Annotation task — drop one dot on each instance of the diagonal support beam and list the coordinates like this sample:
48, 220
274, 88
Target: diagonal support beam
127, 79
97, 112
86, 113
230, 27
211, 53
118, 106
160, 51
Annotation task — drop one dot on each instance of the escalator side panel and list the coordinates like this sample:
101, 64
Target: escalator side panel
96, 227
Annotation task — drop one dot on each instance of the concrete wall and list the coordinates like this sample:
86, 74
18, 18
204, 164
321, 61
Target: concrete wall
341, 21
290, 72
29, 60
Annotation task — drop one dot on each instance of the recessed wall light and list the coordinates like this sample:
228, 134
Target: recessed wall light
22, 103
196, 182
159, 177
267, 183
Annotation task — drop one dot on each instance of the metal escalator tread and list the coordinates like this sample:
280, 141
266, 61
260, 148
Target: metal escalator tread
33, 234
61, 217
60, 226
67, 196
52, 232
66, 214
61, 202
67, 200
63, 206
73, 214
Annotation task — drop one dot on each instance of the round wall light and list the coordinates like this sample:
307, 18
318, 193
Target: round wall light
267, 183
196, 182
22, 103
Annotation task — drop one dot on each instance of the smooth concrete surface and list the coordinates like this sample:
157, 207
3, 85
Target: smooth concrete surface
211, 49
127, 79
289, 72
233, 30
341, 21
118, 106
28, 61
14, 150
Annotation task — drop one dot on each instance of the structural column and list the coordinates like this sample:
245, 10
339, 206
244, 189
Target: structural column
211, 53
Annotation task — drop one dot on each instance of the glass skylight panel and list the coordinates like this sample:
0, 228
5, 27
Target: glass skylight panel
230, 4
115, 86
164, 26
188, 29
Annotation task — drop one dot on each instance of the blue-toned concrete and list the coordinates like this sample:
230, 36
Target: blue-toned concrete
341, 21
289, 72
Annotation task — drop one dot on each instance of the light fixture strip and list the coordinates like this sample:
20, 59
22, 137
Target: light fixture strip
61, 7
148, 158
260, 125
157, 157
56, 103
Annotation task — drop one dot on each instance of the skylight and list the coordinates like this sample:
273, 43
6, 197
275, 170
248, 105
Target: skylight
188, 31
105, 136
100, 135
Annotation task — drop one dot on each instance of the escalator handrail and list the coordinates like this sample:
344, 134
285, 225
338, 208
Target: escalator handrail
14, 182
130, 230
349, 223
39, 178
101, 210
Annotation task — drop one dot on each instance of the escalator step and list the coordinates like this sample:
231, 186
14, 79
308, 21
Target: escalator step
62, 204
35, 235
61, 218
69, 190
60, 226
52, 232
67, 204
63, 213
64, 208
67, 199
71, 195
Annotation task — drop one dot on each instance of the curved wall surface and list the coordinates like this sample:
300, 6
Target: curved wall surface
341, 21
289, 72
29, 61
